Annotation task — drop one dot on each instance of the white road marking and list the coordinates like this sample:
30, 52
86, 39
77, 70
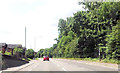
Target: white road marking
0, 71
29, 70
32, 68
64, 69
55, 63
36, 65
59, 65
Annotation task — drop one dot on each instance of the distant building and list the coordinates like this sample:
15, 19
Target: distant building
3, 47
10, 47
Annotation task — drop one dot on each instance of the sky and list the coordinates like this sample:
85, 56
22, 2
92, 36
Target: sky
40, 17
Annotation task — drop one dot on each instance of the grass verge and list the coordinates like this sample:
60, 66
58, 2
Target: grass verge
36, 59
26, 59
95, 60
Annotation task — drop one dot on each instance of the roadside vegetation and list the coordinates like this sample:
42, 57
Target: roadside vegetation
94, 60
27, 55
92, 34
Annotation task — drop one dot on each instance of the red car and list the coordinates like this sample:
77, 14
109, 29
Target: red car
45, 58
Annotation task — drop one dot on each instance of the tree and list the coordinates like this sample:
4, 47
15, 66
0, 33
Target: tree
113, 43
29, 53
89, 32
18, 52
61, 25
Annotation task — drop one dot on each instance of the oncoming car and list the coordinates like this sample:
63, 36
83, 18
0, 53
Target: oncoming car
45, 58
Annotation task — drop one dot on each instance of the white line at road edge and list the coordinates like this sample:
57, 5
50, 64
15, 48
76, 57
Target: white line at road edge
33, 68
0, 71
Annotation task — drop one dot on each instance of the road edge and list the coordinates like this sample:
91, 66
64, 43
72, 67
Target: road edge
18, 68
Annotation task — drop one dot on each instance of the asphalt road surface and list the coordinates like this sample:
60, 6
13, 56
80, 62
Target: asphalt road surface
57, 65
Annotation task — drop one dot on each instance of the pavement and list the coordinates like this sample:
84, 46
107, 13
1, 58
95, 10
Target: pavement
64, 66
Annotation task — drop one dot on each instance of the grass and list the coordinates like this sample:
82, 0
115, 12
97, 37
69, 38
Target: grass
23, 58
0, 51
36, 59
85, 59
111, 61
29, 59
26, 59
95, 60
8, 53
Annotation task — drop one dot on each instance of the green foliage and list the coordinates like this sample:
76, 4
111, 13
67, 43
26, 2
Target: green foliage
115, 61
18, 52
29, 59
36, 56
97, 29
113, 42
45, 52
40, 53
71, 49
23, 58
8, 53
29, 53
36, 59
61, 25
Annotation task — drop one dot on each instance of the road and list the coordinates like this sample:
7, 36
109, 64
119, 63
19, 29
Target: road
64, 66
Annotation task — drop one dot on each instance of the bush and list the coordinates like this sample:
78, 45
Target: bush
29, 53
8, 53
95, 59
36, 59
23, 58
18, 52
29, 59
111, 61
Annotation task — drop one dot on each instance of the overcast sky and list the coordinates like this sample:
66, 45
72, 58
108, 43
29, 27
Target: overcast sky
40, 18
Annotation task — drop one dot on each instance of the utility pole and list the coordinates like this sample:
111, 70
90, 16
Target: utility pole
34, 42
99, 45
25, 37
25, 43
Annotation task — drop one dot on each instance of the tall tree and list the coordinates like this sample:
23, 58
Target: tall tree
29, 53
61, 25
